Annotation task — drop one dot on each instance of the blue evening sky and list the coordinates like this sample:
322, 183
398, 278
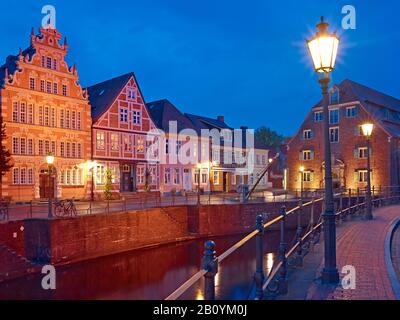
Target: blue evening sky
245, 60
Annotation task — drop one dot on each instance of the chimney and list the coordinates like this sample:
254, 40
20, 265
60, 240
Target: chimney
244, 128
221, 118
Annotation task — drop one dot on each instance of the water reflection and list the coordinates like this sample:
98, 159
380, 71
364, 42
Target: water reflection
149, 274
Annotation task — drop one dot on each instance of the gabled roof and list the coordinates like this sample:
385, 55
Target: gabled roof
383, 108
201, 122
103, 94
163, 111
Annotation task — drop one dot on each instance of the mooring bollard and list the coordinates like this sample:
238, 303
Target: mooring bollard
259, 274
282, 281
299, 252
210, 264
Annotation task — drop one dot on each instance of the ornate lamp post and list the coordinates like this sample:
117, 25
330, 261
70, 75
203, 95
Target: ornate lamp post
301, 173
90, 164
367, 131
50, 161
323, 50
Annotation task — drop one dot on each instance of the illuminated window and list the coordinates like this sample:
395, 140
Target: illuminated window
30, 146
167, 175
15, 111
30, 176
307, 176
361, 175
62, 118
23, 146
41, 115
22, 179
30, 113
140, 144
127, 143
64, 90
53, 117
41, 150
216, 177
307, 155
62, 149
114, 141
16, 176
100, 140
177, 176
140, 172
46, 116
22, 112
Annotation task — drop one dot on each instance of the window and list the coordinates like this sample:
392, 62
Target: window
41, 151
100, 174
32, 83
48, 87
73, 150
137, 117
334, 97
334, 134
123, 115
22, 112
140, 172
62, 149
204, 177
100, 140
16, 176
78, 150
68, 150
166, 146
22, 178
140, 144
307, 176
46, 116
16, 145
307, 134
334, 116
178, 147
177, 176
54, 64
42, 85
362, 152
131, 94
41, 115
48, 63
30, 176
196, 177
127, 143
55, 88
23, 146
114, 141
30, 113
73, 119
15, 111
79, 120
307, 155
47, 147
68, 176
62, 118
318, 116
53, 117
263, 159
30, 146
216, 177
43, 61
167, 176
64, 89
67, 119
351, 112
153, 174
226, 134
361, 175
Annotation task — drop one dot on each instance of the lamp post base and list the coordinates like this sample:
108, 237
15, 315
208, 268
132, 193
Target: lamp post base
330, 276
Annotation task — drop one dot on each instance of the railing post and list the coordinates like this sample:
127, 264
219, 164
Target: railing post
30, 209
210, 264
282, 281
358, 199
259, 274
299, 252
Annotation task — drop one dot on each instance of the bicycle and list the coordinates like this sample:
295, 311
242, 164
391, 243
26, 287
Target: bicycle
65, 208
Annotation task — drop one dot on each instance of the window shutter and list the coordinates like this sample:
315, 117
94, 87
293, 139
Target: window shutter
370, 151
357, 109
344, 112
301, 155
356, 153
312, 155
356, 131
312, 134
311, 176
356, 176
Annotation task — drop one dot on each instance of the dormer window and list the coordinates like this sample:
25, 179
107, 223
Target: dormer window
334, 97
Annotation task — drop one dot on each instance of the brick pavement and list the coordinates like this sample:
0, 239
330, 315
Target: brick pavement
361, 244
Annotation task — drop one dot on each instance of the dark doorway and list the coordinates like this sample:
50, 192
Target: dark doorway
224, 181
46, 185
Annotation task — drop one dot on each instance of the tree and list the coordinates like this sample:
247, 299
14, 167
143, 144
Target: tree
269, 137
107, 185
5, 156
147, 186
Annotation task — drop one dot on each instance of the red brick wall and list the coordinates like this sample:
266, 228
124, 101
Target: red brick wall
12, 234
343, 150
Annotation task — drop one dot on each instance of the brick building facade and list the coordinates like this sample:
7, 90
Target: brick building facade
45, 111
351, 105
120, 125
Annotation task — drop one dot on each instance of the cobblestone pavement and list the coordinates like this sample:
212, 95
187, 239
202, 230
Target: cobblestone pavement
361, 244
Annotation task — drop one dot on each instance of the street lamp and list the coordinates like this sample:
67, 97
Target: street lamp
211, 164
301, 171
50, 161
90, 164
323, 50
367, 132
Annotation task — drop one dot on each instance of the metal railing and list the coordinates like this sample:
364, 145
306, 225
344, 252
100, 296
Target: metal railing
348, 203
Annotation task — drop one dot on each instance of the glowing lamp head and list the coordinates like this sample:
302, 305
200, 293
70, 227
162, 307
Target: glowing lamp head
199, 166
50, 159
301, 169
90, 164
323, 48
269, 160
367, 129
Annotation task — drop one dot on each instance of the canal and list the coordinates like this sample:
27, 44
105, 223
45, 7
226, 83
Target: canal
151, 273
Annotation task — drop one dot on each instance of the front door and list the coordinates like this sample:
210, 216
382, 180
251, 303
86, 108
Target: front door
187, 180
46, 185
127, 179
